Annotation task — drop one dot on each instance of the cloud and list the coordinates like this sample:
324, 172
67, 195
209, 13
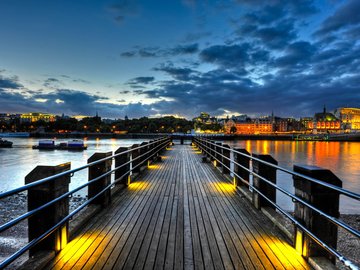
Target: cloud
229, 56
182, 74
123, 9
346, 16
186, 49
141, 80
10, 83
192, 37
52, 83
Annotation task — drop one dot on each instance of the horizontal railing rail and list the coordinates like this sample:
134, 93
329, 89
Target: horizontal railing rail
210, 148
153, 149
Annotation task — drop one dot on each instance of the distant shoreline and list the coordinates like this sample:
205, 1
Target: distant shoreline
342, 137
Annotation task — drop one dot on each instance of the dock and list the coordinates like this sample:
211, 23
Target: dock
179, 214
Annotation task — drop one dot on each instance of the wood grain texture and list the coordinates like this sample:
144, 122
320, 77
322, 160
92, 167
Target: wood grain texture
181, 214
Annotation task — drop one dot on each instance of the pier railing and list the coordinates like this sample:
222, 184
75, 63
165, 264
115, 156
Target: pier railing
48, 195
316, 217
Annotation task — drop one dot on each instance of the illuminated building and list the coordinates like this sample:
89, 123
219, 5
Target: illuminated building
34, 117
306, 123
256, 126
350, 118
324, 122
205, 118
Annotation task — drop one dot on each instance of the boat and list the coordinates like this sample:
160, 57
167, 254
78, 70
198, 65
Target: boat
45, 145
72, 145
75, 145
5, 143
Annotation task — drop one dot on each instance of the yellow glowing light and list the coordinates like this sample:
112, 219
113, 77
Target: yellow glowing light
197, 152
299, 241
136, 186
77, 247
153, 167
223, 187
129, 180
215, 163
164, 157
286, 254
234, 181
64, 236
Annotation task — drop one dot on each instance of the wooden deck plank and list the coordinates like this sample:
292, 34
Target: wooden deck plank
265, 242
181, 215
143, 240
214, 233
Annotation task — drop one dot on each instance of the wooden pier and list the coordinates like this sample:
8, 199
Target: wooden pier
179, 214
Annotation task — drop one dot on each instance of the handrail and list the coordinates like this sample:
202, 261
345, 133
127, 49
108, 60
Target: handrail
334, 220
343, 191
150, 153
52, 177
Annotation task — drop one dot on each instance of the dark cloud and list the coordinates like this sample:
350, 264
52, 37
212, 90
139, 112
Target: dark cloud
182, 74
124, 92
10, 83
192, 37
278, 36
186, 49
74, 102
346, 16
229, 56
52, 83
297, 8
141, 80
123, 9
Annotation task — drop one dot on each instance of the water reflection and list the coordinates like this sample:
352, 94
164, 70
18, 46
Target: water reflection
342, 158
17, 162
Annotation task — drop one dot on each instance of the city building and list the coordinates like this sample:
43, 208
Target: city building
250, 126
305, 123
204, 118
324, 122
34, 117
350, 118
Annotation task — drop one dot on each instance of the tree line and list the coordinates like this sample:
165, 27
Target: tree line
167, 124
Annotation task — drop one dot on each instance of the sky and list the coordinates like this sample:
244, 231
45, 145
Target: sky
181, 57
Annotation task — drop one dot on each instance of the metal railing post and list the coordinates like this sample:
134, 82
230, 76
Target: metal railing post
268, 173
48, 217
96, 171
322, 198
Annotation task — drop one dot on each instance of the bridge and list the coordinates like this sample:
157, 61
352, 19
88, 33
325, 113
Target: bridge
174, 206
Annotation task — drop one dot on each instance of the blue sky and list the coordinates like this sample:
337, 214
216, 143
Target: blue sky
181, 57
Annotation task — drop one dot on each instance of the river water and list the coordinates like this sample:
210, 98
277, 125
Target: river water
342, 158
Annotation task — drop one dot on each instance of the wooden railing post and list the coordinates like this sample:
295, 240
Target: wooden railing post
47, 218
124, 170
134, 155
324, 199
226, 159
212, 151
217, 154
94, 172
243, 161
268, 173
208, 149
143, 150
